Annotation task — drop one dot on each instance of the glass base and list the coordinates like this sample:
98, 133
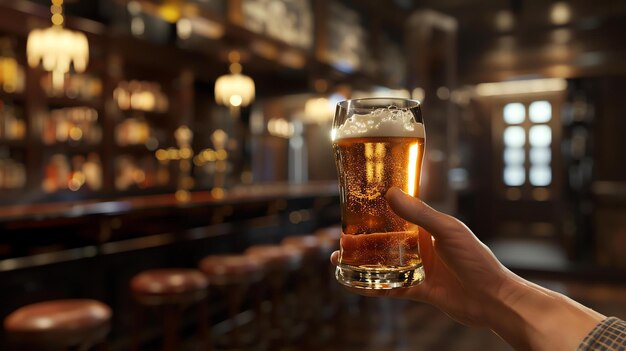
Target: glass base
379, 278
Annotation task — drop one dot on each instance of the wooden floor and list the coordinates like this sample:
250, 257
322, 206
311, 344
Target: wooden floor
392, 325
382, 324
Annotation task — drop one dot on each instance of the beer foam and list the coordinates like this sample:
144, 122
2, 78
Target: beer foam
383, 122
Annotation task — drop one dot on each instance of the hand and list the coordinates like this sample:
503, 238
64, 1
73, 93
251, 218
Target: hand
466, 281
462, 274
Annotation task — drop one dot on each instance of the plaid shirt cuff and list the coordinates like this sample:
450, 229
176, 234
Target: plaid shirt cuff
608, 335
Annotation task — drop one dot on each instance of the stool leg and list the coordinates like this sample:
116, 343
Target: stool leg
137, 324
278, 310
170, 324
203, 318
260, 325
234, 302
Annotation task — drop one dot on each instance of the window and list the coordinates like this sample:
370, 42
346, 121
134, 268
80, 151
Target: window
514, 113
527, 139
540, 112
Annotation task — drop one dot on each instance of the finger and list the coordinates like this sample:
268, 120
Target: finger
416, 211
334, 258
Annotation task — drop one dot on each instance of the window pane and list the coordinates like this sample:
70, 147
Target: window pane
540, 175
540, 155
514, 175
540, 136
514, 137
513, 156
540, 112
514, 113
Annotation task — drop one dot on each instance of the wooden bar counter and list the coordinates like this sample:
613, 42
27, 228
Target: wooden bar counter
91, 249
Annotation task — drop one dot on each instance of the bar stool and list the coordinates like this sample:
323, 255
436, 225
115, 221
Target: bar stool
172, 290
310, 277
279, 262
59, 325
337, 298
332, 235
234, 275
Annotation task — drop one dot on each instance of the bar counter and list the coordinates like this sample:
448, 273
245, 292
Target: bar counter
125, 205
36, 235
91, 249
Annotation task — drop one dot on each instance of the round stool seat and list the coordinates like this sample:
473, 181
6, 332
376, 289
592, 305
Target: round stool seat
232, 269
310, 246
169, 285
59, 323
276, 257
331, 236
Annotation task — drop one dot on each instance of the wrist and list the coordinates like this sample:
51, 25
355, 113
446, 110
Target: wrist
530, 317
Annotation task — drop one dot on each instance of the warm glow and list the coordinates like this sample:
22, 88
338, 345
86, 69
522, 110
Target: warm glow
182, 195
170, 11
234, 90
236, 100
412, 169
205, 28
318, 110
280, 127
184, 28
418, 94
560, 13
57, 48
504, 21
521, 87
140, 95
161, 154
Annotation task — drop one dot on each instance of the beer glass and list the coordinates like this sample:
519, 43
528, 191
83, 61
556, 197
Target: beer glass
378, 143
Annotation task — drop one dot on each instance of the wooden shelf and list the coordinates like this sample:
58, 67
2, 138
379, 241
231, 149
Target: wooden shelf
64, 101
70, 148
16, 97
133, 149
179, 69
13, 143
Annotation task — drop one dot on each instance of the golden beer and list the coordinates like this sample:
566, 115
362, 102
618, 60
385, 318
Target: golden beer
379, 250
374, 236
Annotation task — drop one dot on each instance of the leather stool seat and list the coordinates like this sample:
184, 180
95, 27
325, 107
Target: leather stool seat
171, 290
276, 257
169, 285
311, 246
59, 323
231, 269
331, 235
234, 275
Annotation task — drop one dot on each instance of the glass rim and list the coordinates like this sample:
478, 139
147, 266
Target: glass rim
411, 103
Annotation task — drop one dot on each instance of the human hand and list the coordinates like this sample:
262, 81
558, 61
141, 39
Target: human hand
463, 276
466, 281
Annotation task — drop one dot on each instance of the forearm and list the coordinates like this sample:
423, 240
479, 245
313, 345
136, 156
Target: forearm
530, 317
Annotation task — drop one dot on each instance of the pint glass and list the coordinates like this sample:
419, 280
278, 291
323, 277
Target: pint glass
378, 143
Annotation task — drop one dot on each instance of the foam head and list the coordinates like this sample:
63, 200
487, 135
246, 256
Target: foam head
382, 122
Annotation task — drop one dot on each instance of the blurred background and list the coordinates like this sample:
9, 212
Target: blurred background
137, 135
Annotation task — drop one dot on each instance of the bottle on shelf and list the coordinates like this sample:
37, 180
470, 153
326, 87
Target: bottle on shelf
81, 86
12, 172
11, 72
73, 125
12, 125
